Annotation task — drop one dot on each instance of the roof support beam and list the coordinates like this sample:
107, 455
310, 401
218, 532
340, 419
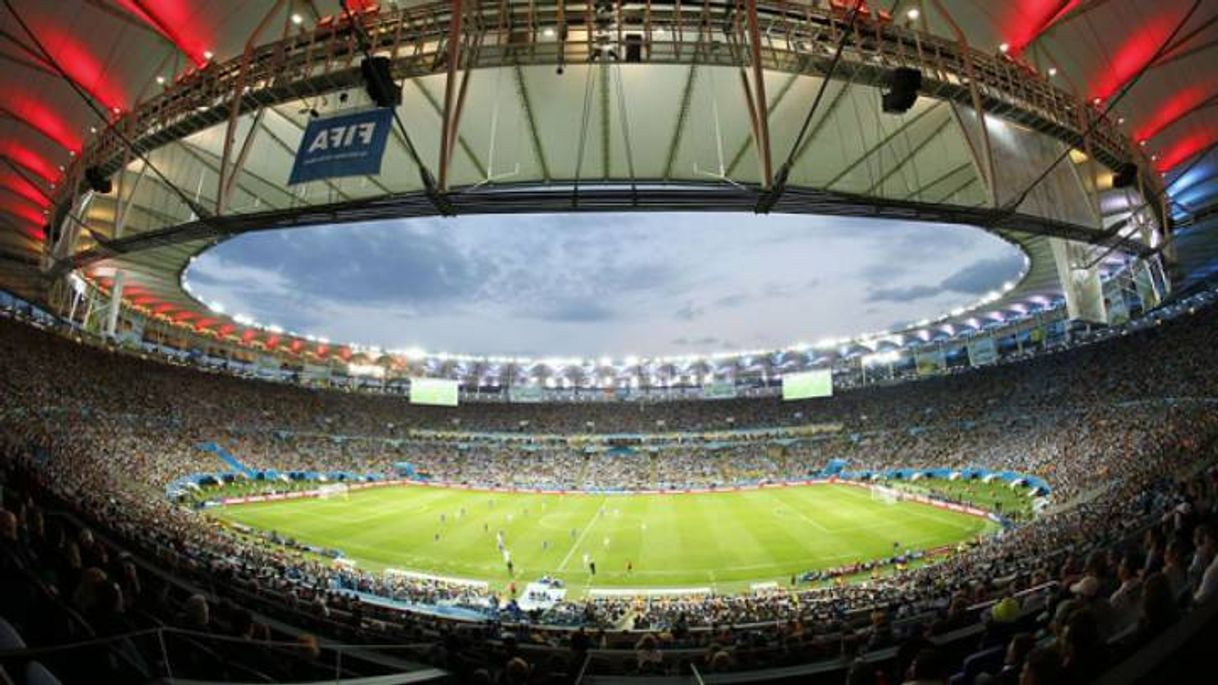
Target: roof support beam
913, 152
905, 125
526, 104
761, 110
674, 144
223, 187
448, 118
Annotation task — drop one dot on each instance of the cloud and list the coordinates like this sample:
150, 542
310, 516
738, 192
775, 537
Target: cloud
689, 312
733, 300
574, 311
903, 294
704, 341
596, 284
983, 276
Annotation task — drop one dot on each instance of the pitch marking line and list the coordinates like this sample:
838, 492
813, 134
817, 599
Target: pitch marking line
583, 534
807, 518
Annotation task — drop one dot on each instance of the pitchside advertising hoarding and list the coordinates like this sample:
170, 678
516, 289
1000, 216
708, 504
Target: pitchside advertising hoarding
436, 391
342, 145
801, 386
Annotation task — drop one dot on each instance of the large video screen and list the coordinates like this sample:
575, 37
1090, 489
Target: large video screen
437, 391
801, 386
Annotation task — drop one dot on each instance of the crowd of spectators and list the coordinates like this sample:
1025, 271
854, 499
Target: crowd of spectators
1122, 430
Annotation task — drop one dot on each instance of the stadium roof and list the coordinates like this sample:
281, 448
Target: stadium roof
663, 135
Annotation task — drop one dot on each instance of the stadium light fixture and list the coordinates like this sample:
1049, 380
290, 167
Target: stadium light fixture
1052, 71
1004, 48
913, 14
297, 19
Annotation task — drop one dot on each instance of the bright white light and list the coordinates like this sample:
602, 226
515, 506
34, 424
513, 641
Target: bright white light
366, 370
160, 80
208, 54
889, 357
1004, 48
297, 19
548, 32
913, 14
1053, 71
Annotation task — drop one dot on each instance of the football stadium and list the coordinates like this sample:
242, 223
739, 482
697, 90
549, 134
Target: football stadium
608, 343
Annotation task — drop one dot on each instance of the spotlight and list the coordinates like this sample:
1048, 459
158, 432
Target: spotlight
297, 19
903, 86
913, 14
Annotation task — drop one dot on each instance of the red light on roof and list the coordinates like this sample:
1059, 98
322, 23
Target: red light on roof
83, 67
323, 350
24, 189
272, 342
1183, 149
1181, 103
26, 108
296, 345
22, 210
248, 334
1026, 20
176, 21
29, 160
1128, 58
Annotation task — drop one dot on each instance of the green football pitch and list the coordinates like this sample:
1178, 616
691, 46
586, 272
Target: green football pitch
723, 540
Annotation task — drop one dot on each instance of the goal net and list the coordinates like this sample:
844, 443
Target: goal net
333, 490
879, 493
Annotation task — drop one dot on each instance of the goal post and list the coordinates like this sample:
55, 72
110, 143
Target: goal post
886, 495
331, 490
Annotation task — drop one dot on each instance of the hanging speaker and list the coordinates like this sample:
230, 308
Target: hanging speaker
1125, 176
903, 86
379, 82
98, 181
634, 47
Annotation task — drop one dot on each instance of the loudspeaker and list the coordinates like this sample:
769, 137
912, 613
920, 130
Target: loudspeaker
634, 47
98, 182
379, 82
1125, 176
903, 86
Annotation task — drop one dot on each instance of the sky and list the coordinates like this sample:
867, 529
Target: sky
590, 285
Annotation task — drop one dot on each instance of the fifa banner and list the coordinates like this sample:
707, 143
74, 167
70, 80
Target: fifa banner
931, 363
1080, 281
525, 394
982, 351
435, 391
801, 386
719, 390
342, 145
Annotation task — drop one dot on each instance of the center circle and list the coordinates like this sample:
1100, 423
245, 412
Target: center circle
595, 284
